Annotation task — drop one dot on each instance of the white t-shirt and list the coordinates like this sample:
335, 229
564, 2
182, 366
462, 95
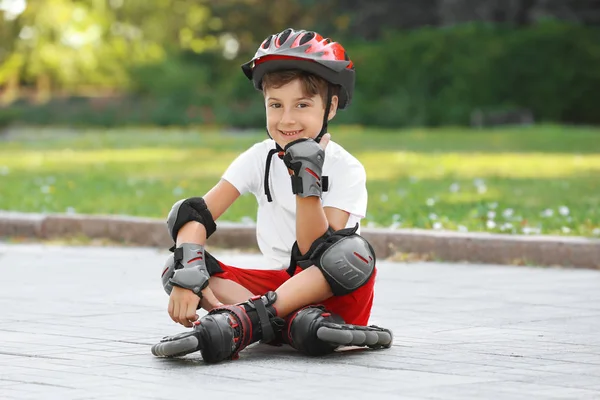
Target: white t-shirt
276, 221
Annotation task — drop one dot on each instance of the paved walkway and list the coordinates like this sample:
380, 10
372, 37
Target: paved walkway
78, 323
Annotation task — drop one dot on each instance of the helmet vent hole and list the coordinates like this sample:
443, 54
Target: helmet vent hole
283, 36
346, 56
307, 38
267, 42
327, 41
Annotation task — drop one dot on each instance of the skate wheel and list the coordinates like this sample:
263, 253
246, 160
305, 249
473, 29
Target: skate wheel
335, 336
384, 339
176, 346
371, 338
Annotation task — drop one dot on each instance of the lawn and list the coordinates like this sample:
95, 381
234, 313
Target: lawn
542, 179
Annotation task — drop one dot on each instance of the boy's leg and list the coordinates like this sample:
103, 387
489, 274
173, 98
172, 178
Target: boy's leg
232, 285
307, 287
226, 291
340, 321
228, 329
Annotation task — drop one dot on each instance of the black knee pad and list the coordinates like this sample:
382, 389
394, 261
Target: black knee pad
346, 259
301, 330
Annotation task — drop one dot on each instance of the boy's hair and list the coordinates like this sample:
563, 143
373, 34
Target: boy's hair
311, 83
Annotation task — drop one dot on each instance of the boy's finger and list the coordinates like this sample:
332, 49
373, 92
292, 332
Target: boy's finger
183, 317
191, 315
325, 140
172, 310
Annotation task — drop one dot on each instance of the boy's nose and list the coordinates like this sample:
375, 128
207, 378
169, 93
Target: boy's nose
287, 118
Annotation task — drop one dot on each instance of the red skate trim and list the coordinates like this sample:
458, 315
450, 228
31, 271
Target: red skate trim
237, 317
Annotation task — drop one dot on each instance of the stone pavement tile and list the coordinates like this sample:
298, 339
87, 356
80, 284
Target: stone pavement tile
591, 359
502, 390
38, 390
58, 379
573, 368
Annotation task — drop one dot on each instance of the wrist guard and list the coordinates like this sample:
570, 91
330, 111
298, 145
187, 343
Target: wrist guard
186, 269
305, 158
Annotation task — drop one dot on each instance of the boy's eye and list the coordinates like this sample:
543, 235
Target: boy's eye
275, 105
302, 105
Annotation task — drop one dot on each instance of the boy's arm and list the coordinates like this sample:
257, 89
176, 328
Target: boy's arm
183, 302
218, 200
312, 219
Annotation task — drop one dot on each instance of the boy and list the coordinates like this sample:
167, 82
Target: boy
310, 225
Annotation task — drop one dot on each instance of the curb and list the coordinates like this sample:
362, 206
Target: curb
447, 246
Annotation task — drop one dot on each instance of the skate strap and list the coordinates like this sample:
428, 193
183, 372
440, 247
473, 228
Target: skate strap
265, 323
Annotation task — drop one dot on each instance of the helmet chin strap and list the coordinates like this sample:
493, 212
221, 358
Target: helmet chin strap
326, 116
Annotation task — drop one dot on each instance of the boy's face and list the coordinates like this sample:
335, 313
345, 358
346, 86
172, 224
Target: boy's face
292, 115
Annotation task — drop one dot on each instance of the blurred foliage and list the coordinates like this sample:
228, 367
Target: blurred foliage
176, 62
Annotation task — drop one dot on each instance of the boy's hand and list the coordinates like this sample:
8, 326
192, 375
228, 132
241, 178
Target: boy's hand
305, 158
183, 304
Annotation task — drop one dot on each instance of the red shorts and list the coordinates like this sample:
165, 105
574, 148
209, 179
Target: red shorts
354, 307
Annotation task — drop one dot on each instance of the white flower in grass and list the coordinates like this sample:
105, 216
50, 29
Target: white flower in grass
547, 213
527, 230
70, 210
565, 229
437, 225
433, 216
395, 225
493, 206
480, 185
563, 210
430, 202
51, 180
396, 217
178, 191
247, 220
4, 170
506, 227
462, 228
413, 179
491, 214
508, 213
490, 224
596, 232
371, 224
384, 198
45, 189
455, 187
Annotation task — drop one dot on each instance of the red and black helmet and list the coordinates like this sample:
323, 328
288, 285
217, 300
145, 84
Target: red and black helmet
306, 51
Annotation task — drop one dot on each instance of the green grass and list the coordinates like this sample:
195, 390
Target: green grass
543, 179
